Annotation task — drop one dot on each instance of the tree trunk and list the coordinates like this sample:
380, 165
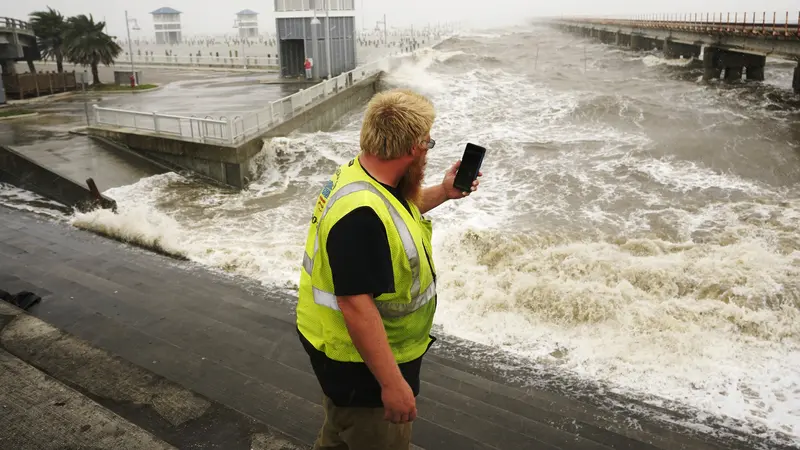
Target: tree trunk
31, 67
9, 67
59, 62
95, 74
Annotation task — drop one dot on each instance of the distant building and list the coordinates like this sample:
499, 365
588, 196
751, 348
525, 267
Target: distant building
167, 23
247, 22
299, 39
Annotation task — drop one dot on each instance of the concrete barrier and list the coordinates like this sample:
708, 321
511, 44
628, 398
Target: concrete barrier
20, 171
322, 116
232, 164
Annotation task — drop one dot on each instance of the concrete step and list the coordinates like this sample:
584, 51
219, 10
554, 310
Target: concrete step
57, 391
42, 413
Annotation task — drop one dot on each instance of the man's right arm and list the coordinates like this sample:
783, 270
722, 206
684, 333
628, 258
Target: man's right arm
366, 329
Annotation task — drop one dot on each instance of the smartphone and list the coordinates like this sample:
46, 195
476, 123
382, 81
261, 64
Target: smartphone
470, 166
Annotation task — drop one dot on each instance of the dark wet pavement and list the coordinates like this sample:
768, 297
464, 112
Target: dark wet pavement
46, 138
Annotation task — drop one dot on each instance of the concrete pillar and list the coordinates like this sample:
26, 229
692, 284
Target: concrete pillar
639, 42
617, 38
711, 65
716, 60
796, 80
755, 73
733, 73
674, 50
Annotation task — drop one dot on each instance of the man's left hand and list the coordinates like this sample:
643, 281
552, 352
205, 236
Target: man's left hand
453, 192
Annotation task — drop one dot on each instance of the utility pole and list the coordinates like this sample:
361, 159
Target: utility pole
385, 38
314, 47
328, 37
130, 47
84, 80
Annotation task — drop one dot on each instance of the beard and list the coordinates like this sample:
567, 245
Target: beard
411, 184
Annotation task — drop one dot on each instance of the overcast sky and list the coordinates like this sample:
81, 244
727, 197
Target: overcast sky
205, 16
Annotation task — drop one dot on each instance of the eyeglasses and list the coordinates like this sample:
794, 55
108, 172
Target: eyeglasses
429, 144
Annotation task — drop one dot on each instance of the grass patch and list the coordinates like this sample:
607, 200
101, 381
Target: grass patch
115, 87
14, 112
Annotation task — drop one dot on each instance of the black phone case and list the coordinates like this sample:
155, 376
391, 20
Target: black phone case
468, 188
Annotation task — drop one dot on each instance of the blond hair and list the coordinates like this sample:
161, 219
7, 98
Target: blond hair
395, 121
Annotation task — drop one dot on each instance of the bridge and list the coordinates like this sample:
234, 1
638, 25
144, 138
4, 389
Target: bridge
732, 45
17, 43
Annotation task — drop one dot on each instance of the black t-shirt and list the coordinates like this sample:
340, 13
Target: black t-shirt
361, 263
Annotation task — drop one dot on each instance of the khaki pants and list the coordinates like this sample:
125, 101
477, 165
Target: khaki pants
360, 429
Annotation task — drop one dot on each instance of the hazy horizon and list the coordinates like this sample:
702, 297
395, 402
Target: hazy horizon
205, 17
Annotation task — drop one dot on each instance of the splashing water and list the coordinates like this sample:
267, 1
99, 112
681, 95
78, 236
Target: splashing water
632, 228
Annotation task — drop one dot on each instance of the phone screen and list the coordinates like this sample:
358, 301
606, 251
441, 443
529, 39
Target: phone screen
470, 166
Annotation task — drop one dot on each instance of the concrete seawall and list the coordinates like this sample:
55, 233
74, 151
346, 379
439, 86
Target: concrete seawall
20, 171
231, 164
322, 116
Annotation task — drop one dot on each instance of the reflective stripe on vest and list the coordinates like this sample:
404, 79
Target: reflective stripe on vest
387, 309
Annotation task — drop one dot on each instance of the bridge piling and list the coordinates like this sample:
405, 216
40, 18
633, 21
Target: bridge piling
711, 65
734, 64
639, 42
796, 80
675, 50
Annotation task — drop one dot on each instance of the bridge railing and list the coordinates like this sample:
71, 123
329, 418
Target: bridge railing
237, 129
9, 22
784, 24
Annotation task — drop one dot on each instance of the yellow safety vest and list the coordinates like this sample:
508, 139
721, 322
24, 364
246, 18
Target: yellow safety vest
407, 313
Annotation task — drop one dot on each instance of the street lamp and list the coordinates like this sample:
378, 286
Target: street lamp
130, 44
377, 27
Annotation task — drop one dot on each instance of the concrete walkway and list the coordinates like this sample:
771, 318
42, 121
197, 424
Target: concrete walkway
41, 413
186, 341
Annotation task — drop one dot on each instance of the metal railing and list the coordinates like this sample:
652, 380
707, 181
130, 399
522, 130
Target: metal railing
206, 129
235, 130
9, 22
786, 25
206, 60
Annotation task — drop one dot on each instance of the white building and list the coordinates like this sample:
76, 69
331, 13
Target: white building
300, 38
247, 22
167, 23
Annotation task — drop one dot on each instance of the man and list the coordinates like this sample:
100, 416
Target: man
368, 283
307, 66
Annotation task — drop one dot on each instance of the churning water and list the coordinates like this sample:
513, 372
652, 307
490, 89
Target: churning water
634, 226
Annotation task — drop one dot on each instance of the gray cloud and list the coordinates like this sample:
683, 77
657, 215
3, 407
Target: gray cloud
215, 17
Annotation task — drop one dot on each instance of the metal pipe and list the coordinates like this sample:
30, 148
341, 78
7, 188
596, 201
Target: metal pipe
774, 18
328, 37
786, 26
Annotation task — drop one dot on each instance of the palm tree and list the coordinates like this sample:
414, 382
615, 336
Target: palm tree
50, 28
88, 45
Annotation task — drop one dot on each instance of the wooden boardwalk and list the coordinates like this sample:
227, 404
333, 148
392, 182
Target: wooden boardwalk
232, 342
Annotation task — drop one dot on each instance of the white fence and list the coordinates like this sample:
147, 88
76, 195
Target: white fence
205, 60
207, 129
237, 129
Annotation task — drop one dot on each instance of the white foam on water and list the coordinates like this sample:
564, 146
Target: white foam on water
715, 326
20, 199
137, 225
581, 249
653, 61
